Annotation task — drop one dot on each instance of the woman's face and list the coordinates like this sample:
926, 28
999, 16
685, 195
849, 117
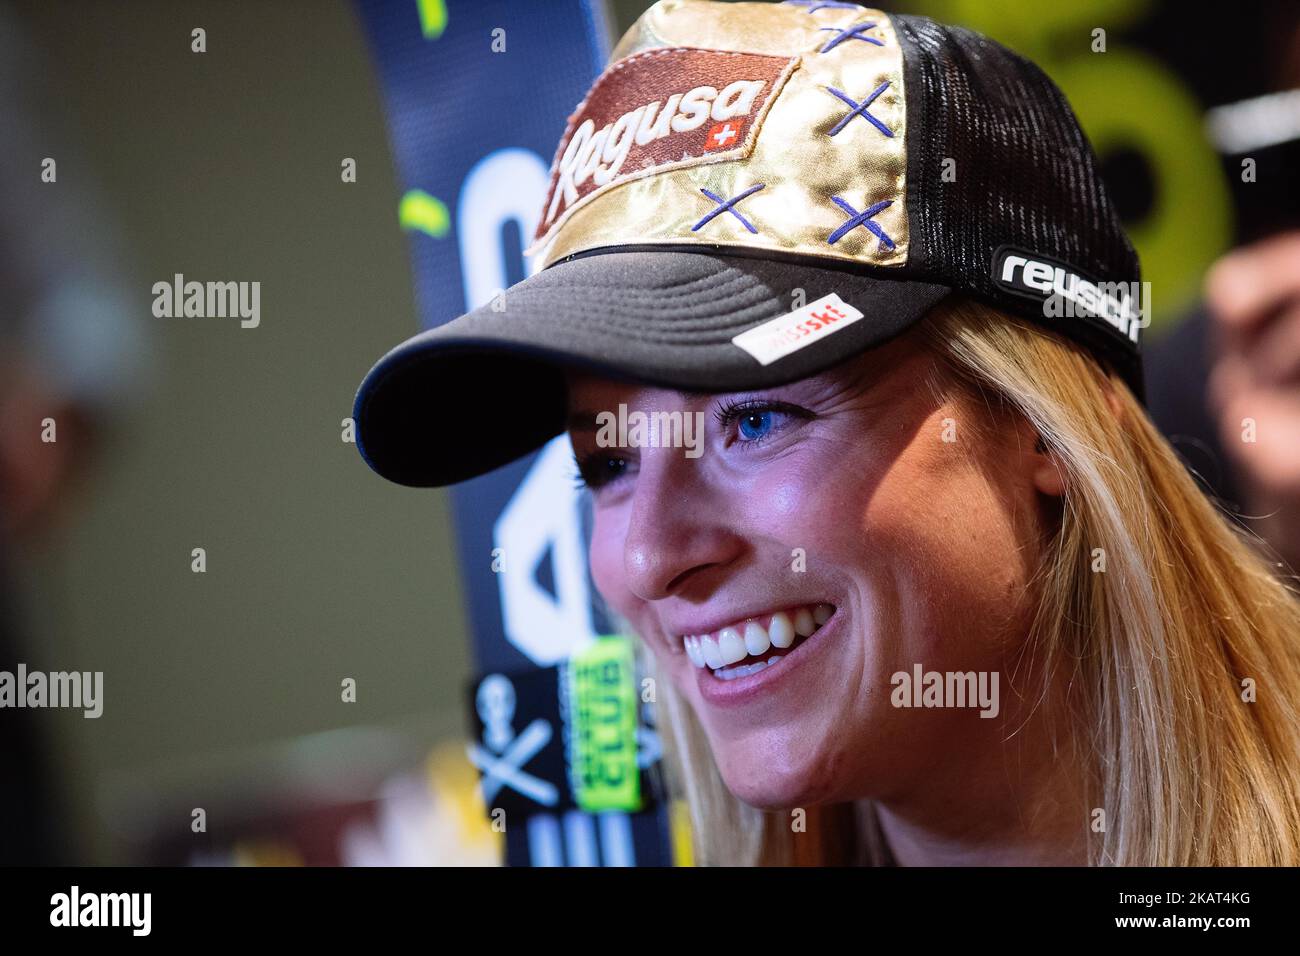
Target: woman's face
853, 504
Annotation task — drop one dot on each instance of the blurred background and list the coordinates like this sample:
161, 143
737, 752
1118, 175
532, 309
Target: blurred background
224, 691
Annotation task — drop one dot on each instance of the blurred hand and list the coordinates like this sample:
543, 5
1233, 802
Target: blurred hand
35, 476
1254, 298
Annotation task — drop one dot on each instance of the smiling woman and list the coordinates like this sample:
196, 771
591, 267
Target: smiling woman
1086, 569
926, 587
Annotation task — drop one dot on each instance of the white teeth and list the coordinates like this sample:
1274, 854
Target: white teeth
693, 650
731, 673
709, 648
803, 622
731, 646
780, 631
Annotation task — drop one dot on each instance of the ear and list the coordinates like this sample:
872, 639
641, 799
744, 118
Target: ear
1108, 389
1045, 469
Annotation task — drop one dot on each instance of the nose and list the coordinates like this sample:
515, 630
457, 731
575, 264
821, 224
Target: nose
677, 530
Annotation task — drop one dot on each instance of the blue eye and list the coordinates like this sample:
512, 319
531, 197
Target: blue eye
754, 426
758, 421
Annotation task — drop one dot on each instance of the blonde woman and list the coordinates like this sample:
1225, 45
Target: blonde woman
1150, 660
843, 330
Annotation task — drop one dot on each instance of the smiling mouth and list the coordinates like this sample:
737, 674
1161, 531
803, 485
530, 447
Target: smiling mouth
747, 647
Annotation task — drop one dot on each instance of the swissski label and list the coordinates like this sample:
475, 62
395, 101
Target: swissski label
788, 333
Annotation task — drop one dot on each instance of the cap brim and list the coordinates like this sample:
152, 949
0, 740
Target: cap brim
484, 389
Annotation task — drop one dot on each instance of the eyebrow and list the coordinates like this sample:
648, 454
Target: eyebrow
585, 419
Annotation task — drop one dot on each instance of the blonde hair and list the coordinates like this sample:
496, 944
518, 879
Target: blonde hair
1158, 649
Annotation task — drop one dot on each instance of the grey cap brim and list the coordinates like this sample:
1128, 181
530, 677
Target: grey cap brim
484, 389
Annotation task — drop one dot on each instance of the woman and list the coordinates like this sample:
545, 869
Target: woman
922, 583
1057, 541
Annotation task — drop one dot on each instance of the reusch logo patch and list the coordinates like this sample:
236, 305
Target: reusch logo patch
1065, 292
657, 110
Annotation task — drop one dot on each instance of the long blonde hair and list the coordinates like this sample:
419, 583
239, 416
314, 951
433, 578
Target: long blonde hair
1185, 653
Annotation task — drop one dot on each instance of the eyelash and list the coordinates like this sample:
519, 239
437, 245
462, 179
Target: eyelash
584, 474
726, 415
730, 412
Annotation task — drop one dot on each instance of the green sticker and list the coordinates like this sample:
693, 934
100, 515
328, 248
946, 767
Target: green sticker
424, 213
433, 17
601, 704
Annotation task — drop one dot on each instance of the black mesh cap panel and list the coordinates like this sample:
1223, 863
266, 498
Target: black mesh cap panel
1026, 178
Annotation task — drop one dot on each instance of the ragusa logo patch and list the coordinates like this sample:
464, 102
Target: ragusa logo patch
661, 109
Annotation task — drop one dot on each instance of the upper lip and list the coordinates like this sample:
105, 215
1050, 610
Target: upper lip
731, 619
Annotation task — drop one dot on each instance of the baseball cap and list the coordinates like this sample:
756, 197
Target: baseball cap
751, 193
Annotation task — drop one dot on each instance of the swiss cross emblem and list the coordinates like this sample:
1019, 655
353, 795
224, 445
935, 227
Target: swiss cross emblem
724, 135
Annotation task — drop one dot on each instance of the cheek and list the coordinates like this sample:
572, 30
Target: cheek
606, 559
785, 498
958, 553
802, 503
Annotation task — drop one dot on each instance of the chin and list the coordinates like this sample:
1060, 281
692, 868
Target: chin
766, 783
